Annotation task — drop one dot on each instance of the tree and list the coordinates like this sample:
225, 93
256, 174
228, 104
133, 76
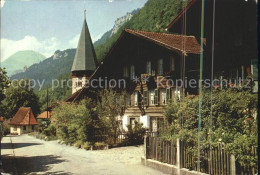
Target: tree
73, 122
20, 94
4, 84
111, 106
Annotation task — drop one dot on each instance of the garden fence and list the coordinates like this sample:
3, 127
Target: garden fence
215, 161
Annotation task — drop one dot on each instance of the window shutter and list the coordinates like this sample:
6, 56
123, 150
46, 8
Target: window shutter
146, 98
156, 96
168, 94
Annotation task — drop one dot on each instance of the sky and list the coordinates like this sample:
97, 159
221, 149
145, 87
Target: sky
49, 25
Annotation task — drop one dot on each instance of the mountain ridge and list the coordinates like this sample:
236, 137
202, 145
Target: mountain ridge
49, 69
117, 24
21, 60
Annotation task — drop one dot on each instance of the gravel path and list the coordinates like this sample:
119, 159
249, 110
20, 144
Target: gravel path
28, 155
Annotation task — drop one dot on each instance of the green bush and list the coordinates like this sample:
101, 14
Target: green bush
50, 130
6, 129
86, 145
78, 144
99, 144
74, 122
233, 121
43, 124
135, 136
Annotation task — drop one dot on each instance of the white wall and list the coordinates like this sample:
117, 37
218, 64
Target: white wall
125, 122
18, 131
74, 82
145, 120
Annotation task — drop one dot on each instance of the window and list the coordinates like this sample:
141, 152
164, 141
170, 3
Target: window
168, 94
136, 98
154, 97
146, 98
149, 67
132, 123
132, 71
172, 64
177, 93
160, 67
15, 128
163, 97
153, 125
33, 127
80, 84
24, 128
254, 69
125, 71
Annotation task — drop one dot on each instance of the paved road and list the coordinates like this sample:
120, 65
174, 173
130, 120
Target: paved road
28, 155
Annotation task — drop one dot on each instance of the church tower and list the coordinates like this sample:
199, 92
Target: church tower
85, 61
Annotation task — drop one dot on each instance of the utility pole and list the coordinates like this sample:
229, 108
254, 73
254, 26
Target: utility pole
47, 103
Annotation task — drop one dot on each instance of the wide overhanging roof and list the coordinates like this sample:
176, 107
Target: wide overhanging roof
179, 43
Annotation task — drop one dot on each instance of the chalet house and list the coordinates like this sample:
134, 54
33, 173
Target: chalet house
23, 121
235, 36
138, 56
155, 56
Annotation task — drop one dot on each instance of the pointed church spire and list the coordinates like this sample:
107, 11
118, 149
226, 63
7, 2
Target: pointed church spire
85, 57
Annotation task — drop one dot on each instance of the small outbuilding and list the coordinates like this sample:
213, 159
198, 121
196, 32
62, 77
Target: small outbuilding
23, 121
45, 115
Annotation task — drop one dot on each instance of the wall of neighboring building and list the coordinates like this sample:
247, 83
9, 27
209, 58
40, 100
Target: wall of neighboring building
22, 129
16, 130
28, 128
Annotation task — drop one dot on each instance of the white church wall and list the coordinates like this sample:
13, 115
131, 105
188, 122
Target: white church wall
78, 83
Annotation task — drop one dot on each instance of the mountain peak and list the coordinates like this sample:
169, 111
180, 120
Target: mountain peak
16, 62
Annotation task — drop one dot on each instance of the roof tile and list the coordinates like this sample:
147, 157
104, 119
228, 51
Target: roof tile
23, 116
180, 43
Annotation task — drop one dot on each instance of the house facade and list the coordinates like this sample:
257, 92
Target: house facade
152, 65
23, 121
